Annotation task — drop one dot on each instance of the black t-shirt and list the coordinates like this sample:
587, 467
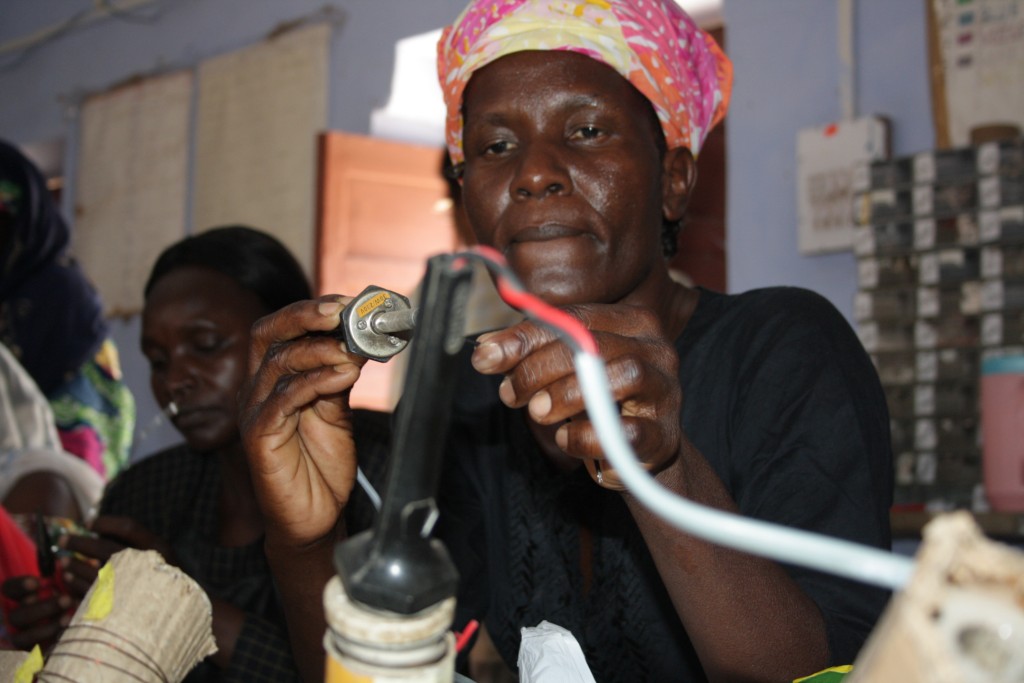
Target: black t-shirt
781, 399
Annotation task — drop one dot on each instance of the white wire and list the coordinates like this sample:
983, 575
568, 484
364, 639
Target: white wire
793, 546
368, 487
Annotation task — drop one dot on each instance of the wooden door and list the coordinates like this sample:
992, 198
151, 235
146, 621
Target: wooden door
702, 256
383, 210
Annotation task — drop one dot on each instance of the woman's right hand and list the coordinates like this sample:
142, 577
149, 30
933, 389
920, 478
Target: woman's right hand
296, 422
38, 613
36, 616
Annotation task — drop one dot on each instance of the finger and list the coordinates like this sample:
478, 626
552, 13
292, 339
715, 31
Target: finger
274, 419
18, 588
578, 437
124, 530
547, 379
558, 401
534, 356
293, 321
642, 389
79, 575
606, 477
29, 614
547, 367
40, 634
499, 351
284, 361
629, 379
92, 547
652, 446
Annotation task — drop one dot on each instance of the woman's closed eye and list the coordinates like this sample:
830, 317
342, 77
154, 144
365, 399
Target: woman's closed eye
157, 362
208, 342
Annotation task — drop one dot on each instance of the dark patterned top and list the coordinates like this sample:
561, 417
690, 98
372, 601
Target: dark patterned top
785, 405
174, 494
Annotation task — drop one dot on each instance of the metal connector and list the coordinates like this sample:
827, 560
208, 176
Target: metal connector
377, 323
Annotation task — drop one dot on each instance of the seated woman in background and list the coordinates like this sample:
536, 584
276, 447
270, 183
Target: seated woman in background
195, 503
51, 319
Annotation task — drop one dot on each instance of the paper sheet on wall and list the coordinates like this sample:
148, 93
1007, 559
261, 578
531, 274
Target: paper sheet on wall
131, 183
259, 112
981, 58
828, 160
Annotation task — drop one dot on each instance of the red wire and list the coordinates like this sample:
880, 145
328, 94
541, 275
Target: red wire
522, 300
462, 638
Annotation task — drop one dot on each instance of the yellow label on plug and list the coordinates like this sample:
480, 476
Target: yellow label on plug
373, 303
337, 672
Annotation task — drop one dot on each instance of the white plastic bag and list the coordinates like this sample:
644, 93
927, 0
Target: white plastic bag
550, 654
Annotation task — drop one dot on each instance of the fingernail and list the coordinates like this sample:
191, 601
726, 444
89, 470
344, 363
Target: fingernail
484, 337
68, 577
506, 393
329, 308
562, 437
486, 357
346, 368
540, 404
64, 601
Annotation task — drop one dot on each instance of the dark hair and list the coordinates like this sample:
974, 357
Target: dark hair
255, 260
669, 229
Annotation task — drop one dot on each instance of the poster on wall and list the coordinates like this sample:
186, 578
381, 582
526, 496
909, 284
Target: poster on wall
827, 160
977, 66
131, 183
259, 112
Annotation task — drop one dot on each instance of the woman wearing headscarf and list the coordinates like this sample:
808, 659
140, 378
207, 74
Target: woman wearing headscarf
51, 319
576, 125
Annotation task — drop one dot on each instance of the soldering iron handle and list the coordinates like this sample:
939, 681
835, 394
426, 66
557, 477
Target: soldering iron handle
397, 566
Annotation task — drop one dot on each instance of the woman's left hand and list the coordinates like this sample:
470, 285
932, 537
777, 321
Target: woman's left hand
112, 534
642, 369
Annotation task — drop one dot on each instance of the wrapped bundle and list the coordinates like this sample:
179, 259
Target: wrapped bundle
142, 620
961, 617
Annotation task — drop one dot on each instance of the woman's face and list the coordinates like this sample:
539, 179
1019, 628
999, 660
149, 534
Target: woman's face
564, 176
195, 335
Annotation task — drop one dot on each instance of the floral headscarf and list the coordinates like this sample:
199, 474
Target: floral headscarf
654, 44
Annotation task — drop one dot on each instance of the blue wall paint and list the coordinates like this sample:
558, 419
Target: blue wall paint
93, 58
787, 78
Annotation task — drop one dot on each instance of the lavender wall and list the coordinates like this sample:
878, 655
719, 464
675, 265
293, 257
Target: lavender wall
787, 77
